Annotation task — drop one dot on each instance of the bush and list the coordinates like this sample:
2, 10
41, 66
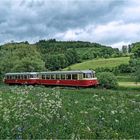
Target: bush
125, 68
107, 80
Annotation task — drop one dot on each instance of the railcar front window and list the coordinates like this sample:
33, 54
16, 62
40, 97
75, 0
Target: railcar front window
87, 75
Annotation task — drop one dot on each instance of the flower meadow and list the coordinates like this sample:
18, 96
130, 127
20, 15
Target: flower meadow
28, 112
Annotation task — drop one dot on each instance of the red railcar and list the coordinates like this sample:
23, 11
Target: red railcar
84, 78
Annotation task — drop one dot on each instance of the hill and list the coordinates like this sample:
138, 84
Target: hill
101, 62
50, 55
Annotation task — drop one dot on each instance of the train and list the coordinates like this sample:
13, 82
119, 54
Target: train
76, 78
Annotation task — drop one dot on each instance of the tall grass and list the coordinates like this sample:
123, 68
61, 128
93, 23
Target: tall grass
39, 112
102, 62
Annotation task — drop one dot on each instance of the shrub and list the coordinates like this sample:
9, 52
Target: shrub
125, 68
107, 80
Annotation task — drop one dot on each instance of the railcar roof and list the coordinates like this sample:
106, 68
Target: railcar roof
21, 73
53, 72
68, 72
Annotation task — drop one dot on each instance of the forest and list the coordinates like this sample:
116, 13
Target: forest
47, 55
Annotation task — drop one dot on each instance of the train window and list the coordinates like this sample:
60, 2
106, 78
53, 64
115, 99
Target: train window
74, 76
87, 75
18, 76
80, 76
15, 76
47, 76
57, 76
52, 76
68, 76
31, 76
21, 76
63, 76
25, 76
43, 76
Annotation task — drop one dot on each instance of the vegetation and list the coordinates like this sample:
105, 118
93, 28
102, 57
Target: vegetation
20, 57
40, 112
107, 80
28, 112
49, 55
101, 63
135, 61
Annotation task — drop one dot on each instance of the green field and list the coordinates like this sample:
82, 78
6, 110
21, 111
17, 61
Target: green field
55, 113
96, 63
127, 81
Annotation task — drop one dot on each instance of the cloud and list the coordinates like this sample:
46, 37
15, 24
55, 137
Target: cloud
104, 21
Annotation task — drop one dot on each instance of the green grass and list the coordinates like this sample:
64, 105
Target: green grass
129, 84
96, 63
56, 113
125, 77
127, 81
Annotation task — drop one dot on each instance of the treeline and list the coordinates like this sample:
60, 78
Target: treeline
52, 55
133, 68
60, 54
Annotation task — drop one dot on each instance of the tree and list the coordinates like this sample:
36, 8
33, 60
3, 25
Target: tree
129, 48
124, 49
136, 74
19, 58
107, 80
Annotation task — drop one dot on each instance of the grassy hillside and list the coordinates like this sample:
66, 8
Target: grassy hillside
54, 113
102, 62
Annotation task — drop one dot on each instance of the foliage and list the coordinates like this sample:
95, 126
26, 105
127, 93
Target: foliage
80, 50
59, 113
135, 61
124, 49
107, 80
24, 112
137, 72
19, 58
98, 64
49, 54
125, 68
136, 49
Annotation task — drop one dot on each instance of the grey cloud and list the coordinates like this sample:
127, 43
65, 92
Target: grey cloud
39, 19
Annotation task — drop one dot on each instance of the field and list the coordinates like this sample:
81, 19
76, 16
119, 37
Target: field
96, 63
55, 113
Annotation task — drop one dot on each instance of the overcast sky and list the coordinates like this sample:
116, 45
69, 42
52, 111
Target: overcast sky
109, 22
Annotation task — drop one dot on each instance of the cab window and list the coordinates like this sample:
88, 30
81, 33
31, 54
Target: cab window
87, 75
